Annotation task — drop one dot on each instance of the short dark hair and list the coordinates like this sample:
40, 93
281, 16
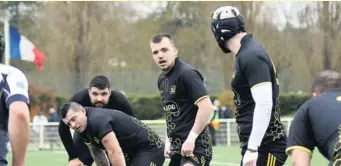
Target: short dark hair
158, 38
100, 82
327, 79
65, 108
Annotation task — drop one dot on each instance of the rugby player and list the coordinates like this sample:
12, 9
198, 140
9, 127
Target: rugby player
115, 132
14, 112
100, 95
255, 86
186, 103
317, 123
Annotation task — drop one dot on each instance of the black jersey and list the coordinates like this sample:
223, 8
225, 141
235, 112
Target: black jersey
116, 101
317, 123
253, 66
180, 89
133, 135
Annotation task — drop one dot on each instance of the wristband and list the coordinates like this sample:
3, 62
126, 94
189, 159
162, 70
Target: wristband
192, 136
252, 150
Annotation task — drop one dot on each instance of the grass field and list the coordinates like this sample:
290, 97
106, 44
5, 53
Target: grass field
223, 156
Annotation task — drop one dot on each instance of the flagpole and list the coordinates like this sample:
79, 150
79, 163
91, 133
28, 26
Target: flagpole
7, 41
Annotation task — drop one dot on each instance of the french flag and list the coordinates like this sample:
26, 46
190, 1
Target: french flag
23, 49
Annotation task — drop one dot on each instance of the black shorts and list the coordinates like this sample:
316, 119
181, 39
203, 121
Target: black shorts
270, 159
154, 158
196, 160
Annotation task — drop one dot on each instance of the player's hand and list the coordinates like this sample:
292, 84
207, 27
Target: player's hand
187, 148
250, 158
167, 151
75, 162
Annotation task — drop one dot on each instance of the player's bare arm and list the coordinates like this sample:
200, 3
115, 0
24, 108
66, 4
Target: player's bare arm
18, 130
300, 157
205, 109
99, 155
114, 150
19, 116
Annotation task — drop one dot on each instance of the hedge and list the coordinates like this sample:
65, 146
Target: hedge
150, 108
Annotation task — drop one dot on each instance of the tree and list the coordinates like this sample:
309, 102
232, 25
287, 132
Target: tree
81, 37
322, 20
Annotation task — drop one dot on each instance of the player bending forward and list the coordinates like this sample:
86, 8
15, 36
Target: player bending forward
126, 140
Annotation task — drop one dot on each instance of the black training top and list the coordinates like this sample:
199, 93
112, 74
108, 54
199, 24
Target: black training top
180, 89
253, 66
133, 135
116, 101
317, 123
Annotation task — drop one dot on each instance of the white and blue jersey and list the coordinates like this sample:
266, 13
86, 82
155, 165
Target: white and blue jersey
13, 87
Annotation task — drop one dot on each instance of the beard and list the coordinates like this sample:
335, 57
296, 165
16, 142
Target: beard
99, 104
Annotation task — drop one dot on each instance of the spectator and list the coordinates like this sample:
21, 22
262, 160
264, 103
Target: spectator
53, 130
214, 124
53, 115
225, 112
38, 123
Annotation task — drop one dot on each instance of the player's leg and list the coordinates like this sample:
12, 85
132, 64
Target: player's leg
83, 150
3, 148
271, 159
155, 158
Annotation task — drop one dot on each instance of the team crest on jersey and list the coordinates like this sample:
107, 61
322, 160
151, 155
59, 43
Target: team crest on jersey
20, 85
173, 89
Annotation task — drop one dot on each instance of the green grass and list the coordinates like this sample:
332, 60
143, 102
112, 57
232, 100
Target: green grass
223, 156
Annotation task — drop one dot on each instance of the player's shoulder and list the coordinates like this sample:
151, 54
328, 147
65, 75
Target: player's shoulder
321, 102
253, 50
309, 106
98, 115
115, 94
188, 70
80, 96
13, 71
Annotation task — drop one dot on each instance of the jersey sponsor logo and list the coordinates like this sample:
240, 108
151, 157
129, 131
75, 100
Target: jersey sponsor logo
169, 107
